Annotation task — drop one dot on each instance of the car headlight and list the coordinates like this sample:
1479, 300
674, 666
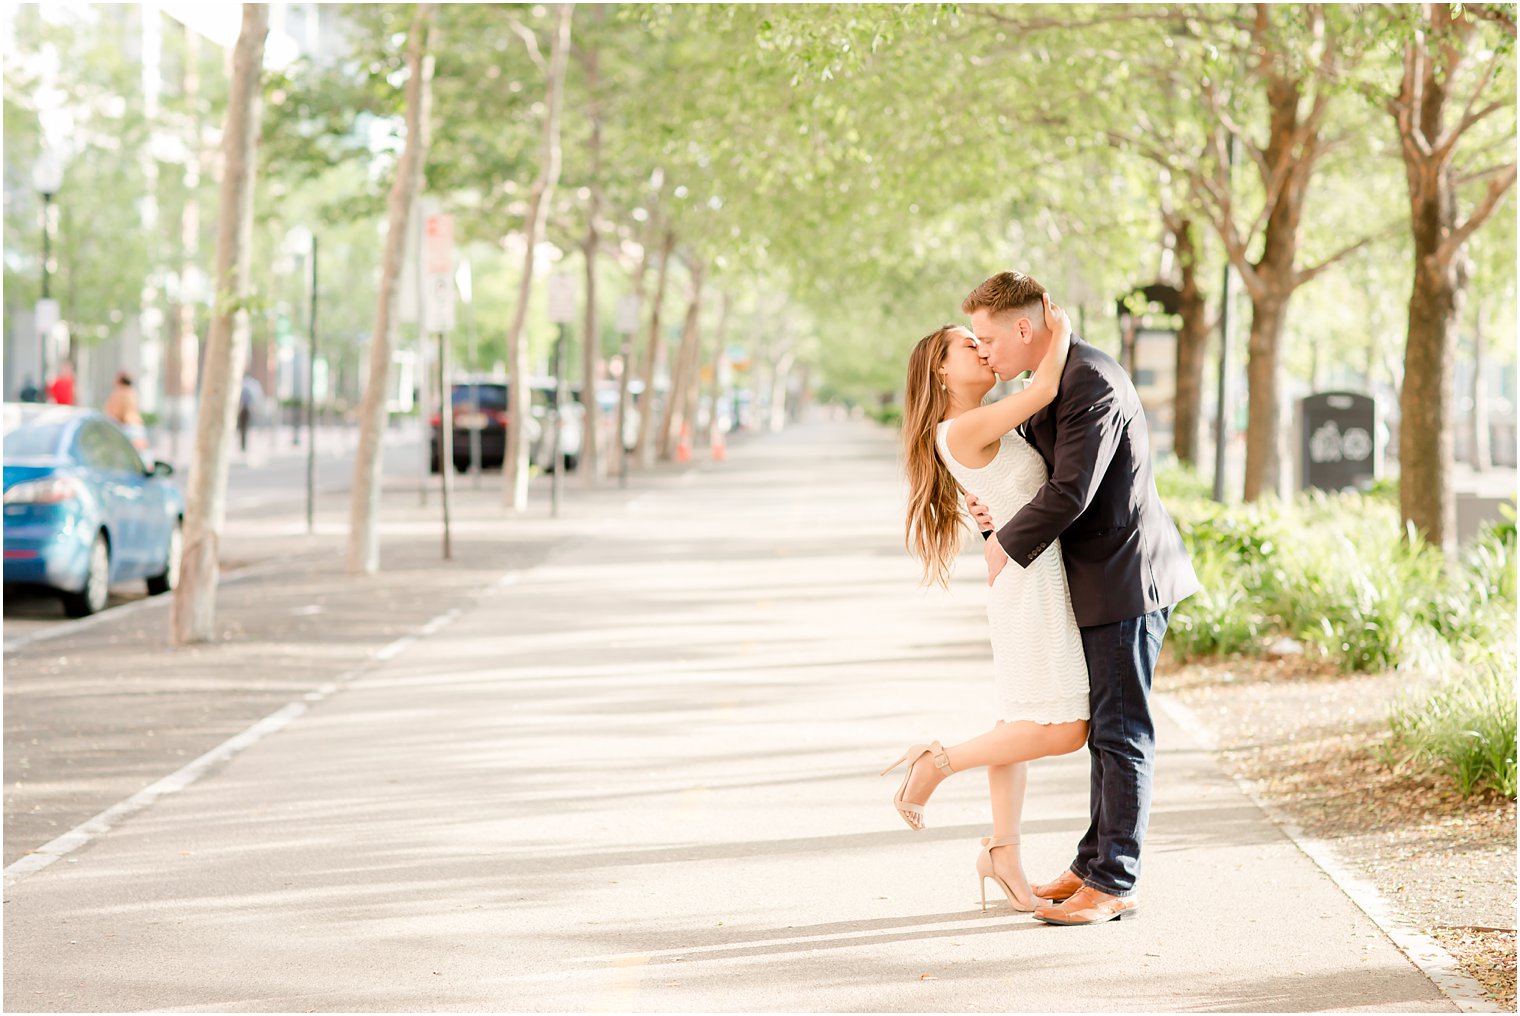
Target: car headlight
52, 490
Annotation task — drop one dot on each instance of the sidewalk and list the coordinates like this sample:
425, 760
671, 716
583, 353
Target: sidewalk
633, 767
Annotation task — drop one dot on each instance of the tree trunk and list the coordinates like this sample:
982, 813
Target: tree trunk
1432, 62
1263, 380
655, 348
1482, 453
364, 503
1425, 432
591, 346
715, 394
685, 362
515, 468
1192, 343
192, 616
1275, 277
1426, 444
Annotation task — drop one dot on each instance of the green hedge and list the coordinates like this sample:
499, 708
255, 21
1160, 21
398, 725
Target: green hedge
1337, 573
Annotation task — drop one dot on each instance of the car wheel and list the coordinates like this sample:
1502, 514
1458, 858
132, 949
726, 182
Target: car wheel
169, 577
92, 598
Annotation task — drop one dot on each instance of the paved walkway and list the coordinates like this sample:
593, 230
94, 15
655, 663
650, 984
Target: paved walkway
637, 771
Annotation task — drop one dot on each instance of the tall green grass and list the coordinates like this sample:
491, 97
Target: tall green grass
1464, 728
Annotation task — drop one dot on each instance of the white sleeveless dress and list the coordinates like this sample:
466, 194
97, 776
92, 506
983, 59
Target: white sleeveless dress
1038, 664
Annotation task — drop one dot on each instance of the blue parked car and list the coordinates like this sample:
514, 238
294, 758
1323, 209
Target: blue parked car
82, 512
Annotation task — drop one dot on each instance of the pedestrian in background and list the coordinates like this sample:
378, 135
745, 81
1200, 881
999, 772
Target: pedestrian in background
121, 406
247, 399
61, 390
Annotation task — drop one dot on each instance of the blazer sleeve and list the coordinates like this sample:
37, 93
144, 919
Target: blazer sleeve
1089, 428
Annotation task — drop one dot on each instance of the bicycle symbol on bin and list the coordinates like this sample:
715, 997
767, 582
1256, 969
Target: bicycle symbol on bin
1329, 444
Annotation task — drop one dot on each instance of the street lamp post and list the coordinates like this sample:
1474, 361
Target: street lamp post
47, 177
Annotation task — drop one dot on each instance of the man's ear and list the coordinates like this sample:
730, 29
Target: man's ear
1026, 330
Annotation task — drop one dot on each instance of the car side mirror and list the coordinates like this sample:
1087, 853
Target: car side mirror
162, 468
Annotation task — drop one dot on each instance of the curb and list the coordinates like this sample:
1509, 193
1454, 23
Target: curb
1422, 950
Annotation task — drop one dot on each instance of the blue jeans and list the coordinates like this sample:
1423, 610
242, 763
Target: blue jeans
1121, 657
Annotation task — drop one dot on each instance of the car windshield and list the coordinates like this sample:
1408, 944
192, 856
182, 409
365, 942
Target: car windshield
34, 440
490, 396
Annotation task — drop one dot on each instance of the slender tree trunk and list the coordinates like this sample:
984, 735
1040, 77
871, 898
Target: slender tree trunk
192, 616
655, 347
680, 378
715, 393
1482, 457
515, 468
1192, 344
363, 556
781, 374
590, 464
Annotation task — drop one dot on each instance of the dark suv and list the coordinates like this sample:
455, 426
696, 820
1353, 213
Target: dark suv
478, 405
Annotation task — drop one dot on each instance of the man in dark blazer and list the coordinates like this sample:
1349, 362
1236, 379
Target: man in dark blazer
1126, 567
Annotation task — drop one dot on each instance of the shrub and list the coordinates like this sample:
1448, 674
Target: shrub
1218, 619
1465, 727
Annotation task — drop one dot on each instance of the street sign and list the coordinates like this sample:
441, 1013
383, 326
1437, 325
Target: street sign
438, 261
440, 303
438, 245
47, 316
561, 298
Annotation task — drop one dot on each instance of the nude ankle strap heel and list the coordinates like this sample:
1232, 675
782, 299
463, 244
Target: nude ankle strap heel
911, 813
985, 870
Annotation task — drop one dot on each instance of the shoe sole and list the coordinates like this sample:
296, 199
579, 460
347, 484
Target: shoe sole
1121, 915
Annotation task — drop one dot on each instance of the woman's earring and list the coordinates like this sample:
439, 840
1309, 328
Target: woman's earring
941, 387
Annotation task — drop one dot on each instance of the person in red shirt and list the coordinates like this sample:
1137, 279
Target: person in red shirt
61, 390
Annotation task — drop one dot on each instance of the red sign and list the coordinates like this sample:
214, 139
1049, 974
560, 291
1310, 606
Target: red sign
439, 245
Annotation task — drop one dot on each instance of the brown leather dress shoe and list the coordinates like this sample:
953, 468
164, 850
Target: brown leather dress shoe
1089, 906
1059, 888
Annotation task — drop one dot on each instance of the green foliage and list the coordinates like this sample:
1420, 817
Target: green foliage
1464, 728
1336, 572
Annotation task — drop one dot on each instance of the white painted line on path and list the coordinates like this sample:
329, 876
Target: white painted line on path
102, 823
1422, 950
94, 828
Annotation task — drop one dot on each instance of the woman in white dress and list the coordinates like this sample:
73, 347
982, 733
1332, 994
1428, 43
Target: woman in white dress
953, 443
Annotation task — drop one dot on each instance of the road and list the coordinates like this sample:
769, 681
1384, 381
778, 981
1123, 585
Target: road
268, 482
620, 760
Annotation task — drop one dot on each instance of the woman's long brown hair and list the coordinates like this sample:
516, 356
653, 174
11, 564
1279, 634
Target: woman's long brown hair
934, 531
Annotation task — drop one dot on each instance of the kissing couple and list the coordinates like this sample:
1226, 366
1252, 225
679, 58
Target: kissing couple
1084, 564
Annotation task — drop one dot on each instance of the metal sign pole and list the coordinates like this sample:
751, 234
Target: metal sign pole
627, 325
311, 401
562, 305
556, 462
446, 440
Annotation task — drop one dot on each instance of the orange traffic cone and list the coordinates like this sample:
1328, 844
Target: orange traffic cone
683, 447
719, 446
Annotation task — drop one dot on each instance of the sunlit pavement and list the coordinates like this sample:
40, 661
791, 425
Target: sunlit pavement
638, 772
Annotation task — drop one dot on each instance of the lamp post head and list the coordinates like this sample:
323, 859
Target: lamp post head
47, 173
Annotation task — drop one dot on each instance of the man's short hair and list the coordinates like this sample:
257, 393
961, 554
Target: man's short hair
1003, 292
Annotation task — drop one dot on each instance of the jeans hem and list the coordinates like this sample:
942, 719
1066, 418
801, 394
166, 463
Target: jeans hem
1121, 893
